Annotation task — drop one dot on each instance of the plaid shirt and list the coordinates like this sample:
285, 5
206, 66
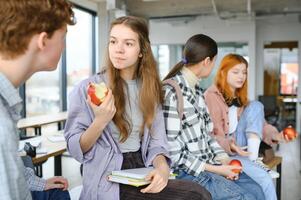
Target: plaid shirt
191, 145
12, 181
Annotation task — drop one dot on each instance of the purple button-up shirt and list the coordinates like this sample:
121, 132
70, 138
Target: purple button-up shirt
105, 155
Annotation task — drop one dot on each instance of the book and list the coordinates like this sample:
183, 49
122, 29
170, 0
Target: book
134, 177
128, 181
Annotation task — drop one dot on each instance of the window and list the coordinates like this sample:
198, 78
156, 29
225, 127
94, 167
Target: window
289, 71
166, 56
76, 64
79, 49
43, 96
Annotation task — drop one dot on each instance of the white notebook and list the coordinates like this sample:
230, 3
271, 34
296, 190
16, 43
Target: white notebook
137, 173
128, 181
134, 177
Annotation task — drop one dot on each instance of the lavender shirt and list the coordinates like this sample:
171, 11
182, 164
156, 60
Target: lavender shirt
105, 155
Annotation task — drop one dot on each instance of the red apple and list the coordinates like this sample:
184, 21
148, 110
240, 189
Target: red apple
97, 92
236, 163
290, 132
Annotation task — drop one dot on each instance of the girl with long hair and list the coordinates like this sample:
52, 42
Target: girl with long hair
239, 122
195, 154
127, 129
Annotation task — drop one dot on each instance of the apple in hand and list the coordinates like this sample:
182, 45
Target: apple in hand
236, 163
97, 92
290, 132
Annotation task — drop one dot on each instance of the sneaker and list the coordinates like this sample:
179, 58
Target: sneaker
272, 173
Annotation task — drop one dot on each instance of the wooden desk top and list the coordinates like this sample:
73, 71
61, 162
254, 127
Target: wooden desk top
53, 148
40, 120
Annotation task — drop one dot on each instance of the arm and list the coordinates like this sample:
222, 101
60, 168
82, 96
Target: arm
34, 182
84, 124
103, 115
215, 112
271, 135
223, 170
12, 180
180, 154
220, 154
158, 144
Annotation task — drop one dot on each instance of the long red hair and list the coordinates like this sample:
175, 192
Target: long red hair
227, 63
150, 93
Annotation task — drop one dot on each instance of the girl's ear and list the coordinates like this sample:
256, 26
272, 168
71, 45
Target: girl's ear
42, 39
140, 55
207, 61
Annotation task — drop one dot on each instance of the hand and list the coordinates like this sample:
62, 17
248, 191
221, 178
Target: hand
238, 150
280, 137
56, 182
106, 110
226, 171
225, 161
159, 179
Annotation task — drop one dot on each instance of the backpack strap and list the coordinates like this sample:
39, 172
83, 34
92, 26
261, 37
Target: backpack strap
179, 95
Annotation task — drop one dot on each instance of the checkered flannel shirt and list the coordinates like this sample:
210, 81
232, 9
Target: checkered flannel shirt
189, 138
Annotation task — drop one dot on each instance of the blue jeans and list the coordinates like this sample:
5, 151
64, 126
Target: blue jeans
54, 194
260, 176
251, 121
223, 189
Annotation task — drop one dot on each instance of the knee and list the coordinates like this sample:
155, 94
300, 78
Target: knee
255, 107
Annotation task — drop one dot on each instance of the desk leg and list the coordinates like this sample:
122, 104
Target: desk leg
58, 165
39, 170
278, 182
38, 130
60, 126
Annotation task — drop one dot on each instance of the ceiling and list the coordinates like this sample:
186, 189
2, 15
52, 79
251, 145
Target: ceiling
224, 9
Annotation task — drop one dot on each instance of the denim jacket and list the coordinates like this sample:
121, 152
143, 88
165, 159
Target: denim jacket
105, 155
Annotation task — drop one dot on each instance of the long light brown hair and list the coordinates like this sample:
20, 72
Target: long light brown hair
227, 63
150, 93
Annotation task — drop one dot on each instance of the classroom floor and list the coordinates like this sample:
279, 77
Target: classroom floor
291, 177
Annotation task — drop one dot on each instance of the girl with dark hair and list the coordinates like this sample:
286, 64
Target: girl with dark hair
239, 122
127, 129
195, 154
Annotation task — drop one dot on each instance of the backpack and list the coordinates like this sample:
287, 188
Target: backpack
179, 95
